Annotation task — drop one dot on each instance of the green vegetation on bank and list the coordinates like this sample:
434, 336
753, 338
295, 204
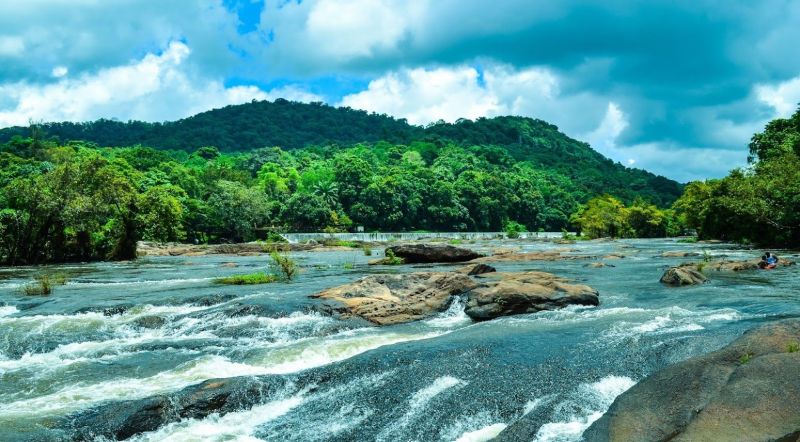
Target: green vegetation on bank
64, 200
606, 216
758, 204
282, 268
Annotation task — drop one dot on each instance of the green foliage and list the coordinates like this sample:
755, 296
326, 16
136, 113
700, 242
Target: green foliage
760, 204
283, 266
455, 242
793, 347
745, 358
43, 283
392, 259
248, 279
690, 240
342, 168
367, 249
513, 229
606, 216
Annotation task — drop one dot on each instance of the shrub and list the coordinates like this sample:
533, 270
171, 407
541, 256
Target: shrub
793, 347
367, 249
392, 259
455, 242
745, 358
283, 266
513, 229
42, 284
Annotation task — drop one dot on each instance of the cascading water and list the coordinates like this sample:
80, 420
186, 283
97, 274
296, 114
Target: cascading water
127, 331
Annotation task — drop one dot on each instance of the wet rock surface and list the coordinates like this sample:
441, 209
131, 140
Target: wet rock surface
394, 299
503, 294
733, 266
749, 390
432, 253
678, 276
548, 255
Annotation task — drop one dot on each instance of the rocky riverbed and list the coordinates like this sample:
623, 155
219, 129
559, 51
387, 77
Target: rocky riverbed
531, 341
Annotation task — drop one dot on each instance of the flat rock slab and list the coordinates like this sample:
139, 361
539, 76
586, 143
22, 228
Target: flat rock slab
733, 266
394, 299
549, 255
748, 391
432, 253
504, 294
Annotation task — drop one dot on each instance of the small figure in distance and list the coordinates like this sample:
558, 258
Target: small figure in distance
768, 261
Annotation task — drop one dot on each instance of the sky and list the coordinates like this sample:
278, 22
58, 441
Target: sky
674, 87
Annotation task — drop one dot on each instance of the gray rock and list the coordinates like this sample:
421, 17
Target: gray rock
430, 253
505, 294
748, 391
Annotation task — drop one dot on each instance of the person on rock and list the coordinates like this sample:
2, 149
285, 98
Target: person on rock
768, 261
763, 263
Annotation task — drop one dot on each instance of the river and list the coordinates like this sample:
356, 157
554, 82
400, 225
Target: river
133, 330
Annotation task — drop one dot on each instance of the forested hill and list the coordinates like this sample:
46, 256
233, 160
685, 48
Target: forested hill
291, 125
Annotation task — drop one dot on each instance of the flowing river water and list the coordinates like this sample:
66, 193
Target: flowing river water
120, 331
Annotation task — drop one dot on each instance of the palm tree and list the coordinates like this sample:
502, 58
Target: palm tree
328, 191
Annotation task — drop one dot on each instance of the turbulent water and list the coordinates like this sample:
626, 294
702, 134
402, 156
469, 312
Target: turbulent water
132, 330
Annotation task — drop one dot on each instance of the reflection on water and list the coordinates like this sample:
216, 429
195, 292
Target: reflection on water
132, 330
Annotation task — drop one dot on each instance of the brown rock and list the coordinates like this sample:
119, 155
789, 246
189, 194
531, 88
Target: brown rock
678, 276
394, 299
476, 269
598, 265
504, 294
732, 266
549, 255
614, 256
748, 391
678, 254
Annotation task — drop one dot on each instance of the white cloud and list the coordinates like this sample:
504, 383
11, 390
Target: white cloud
60, 71
783, 97
604, 137
157, 87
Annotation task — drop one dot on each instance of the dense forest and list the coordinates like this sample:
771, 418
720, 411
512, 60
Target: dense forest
63, 199
758, 204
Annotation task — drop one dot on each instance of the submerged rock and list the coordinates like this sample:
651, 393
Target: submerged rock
123, 419
678, 254
394, 299
678, 276
749, 390
504, 294
430, 253
598, 265
150, 321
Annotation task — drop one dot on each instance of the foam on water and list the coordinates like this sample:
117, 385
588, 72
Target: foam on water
7, 310
419, 402
454, 316
592, 400
237, 426
486, 433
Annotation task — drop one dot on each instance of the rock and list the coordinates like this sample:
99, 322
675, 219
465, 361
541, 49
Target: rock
123, 419
678, 276
229, 264
549, 255
430, 253
749, 390
209, 300
678, 254
476, 269
150, 322
506, 294
598, 265
732, 266
614, 256
394, 299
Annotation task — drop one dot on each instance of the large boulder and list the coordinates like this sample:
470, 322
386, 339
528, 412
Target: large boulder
748, 391
678, 276
394, 299
503, 294
430, 253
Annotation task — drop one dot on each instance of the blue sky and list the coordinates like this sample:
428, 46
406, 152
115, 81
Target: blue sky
675, 87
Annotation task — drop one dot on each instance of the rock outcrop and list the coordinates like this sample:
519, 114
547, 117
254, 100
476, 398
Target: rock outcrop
503, 294
394, 299
748, 391
678, 254
678, 276
732, 266
432, 253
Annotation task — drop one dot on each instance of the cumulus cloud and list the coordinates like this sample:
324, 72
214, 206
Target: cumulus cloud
783, 97
157, 87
